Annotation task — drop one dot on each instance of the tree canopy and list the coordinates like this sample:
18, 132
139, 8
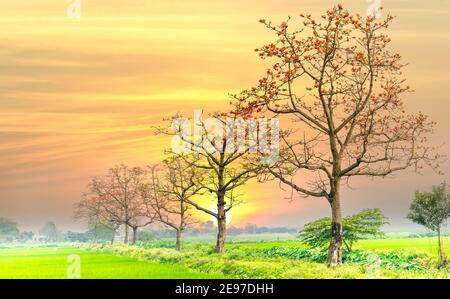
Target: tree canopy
342, 86
362, 225
50, 231
432, 210
8, 227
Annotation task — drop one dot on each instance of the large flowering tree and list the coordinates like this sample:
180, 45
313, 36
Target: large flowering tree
341, 85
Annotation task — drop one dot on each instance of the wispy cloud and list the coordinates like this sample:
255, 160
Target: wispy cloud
78, 96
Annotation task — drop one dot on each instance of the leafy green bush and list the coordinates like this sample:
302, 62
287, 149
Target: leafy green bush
387, 259
315, 255
363, 225
163, 255
157, 244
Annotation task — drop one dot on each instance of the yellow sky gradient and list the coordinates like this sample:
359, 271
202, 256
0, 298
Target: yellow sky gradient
79, 96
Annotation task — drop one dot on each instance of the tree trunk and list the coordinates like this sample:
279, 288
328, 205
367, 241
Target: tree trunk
221, 228
113, 237
95, 233
442, 259
125, 240
178, 243
335, 250
135, 238
347, 246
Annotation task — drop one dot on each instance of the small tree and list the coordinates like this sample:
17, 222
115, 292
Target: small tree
49, 231
171, 187
359, 226
139, 222
8, 227
363, 225
101, 231
118, 195
432, 209
90, 209
226, 167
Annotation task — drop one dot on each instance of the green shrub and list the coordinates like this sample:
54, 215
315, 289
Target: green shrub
387, 259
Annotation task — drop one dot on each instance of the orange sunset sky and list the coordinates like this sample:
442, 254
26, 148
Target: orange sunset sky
80, 95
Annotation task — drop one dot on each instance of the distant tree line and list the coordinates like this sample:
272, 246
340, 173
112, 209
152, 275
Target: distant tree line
135, 197
255, 229
9, 232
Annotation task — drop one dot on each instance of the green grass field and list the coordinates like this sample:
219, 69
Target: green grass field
197, 261
51, 262
426, 245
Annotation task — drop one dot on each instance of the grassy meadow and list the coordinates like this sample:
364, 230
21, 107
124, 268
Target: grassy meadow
51, 262
283, 258
428, 245
425, 245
